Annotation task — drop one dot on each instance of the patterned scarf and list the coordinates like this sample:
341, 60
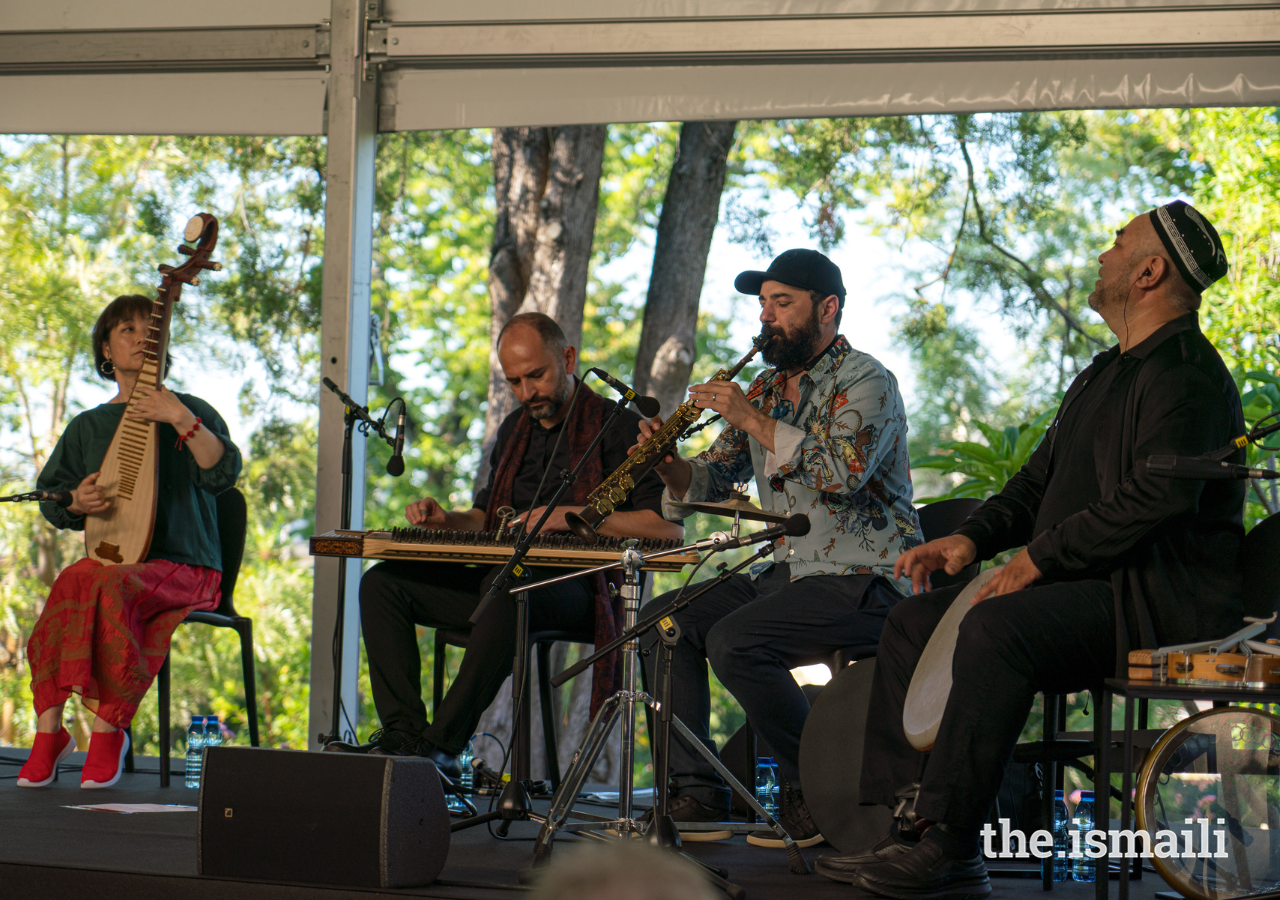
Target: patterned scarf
583, 424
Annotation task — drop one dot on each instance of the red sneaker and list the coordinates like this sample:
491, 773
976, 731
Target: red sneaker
105, 762
47, 751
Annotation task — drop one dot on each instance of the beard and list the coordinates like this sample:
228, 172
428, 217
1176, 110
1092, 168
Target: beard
1107, 294
547, 407
789, 351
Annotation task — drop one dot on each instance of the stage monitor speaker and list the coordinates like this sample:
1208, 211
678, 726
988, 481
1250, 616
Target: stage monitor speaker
321, 818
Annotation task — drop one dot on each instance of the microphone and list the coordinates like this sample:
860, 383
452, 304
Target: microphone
648, 406
1202, 469
395, 465
796, 526
62, 498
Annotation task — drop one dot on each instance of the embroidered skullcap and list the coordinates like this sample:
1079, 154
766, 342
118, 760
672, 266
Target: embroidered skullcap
1192, 242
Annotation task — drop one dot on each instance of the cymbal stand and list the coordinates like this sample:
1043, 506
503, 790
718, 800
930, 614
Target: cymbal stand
622, 704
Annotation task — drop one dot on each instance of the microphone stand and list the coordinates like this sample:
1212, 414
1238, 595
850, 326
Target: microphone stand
516, 801
354, 411
662, 831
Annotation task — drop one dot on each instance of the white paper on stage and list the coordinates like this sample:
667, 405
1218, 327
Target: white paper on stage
129, 808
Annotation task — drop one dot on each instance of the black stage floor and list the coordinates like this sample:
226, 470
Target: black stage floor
48, 851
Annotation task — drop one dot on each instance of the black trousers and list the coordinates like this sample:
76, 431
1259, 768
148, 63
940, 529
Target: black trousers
753, 633
1056, 637
396, 596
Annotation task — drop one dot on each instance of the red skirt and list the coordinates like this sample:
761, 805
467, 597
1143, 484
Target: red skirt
105, 632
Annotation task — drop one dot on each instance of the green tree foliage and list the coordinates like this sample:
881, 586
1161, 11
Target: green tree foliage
986, 468
1012, 209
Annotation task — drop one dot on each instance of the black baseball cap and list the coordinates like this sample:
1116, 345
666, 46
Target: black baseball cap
806, 269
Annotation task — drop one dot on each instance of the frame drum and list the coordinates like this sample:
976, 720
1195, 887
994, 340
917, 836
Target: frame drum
831, 761
1209, 791
931, 681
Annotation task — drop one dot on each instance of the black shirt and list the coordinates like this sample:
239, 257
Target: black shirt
1073, 478
613, 450
1169, 546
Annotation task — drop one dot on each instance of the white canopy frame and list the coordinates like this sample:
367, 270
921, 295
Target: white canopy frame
350, 69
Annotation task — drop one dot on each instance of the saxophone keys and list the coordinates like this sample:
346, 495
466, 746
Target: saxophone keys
626, 482
604, 505
617, 493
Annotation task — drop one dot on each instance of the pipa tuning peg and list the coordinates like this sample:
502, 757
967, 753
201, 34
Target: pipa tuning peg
195, 228
164, 269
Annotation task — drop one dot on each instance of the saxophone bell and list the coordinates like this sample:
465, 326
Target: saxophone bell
584, 525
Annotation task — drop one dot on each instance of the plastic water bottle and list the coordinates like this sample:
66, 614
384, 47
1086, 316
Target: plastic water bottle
776, 794
765, 783
1061, 840
1082, 821
466, 781
195, 743
465, 758
212, 731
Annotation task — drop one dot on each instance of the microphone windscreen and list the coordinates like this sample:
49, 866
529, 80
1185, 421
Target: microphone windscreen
648, 406
395, 465
796, 526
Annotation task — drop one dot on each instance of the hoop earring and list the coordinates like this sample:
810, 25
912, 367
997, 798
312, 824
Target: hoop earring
107, 368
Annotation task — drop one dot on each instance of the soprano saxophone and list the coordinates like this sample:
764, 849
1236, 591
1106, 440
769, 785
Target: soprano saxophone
622, 481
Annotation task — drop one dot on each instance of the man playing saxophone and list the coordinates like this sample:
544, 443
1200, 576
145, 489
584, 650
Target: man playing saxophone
823, 433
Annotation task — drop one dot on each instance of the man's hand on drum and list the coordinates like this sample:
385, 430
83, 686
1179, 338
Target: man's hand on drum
425, 512
1018, 574
951, 553
88, 499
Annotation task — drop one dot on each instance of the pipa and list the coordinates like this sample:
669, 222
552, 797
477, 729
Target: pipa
130, 470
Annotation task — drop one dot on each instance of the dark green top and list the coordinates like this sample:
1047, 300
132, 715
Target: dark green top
186, 517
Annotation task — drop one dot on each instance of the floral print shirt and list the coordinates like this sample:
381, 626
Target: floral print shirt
841, 458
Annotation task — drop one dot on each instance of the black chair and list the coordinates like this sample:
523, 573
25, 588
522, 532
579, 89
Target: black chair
541, 641
232, 524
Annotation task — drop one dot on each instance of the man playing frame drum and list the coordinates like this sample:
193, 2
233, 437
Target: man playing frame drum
1114, 558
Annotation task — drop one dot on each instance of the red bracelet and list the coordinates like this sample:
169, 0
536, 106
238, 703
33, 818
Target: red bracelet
183, 438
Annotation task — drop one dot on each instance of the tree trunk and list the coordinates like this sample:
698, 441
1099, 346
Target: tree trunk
547, 186
690, 210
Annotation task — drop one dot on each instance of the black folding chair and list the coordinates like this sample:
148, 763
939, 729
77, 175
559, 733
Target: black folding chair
232, 524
